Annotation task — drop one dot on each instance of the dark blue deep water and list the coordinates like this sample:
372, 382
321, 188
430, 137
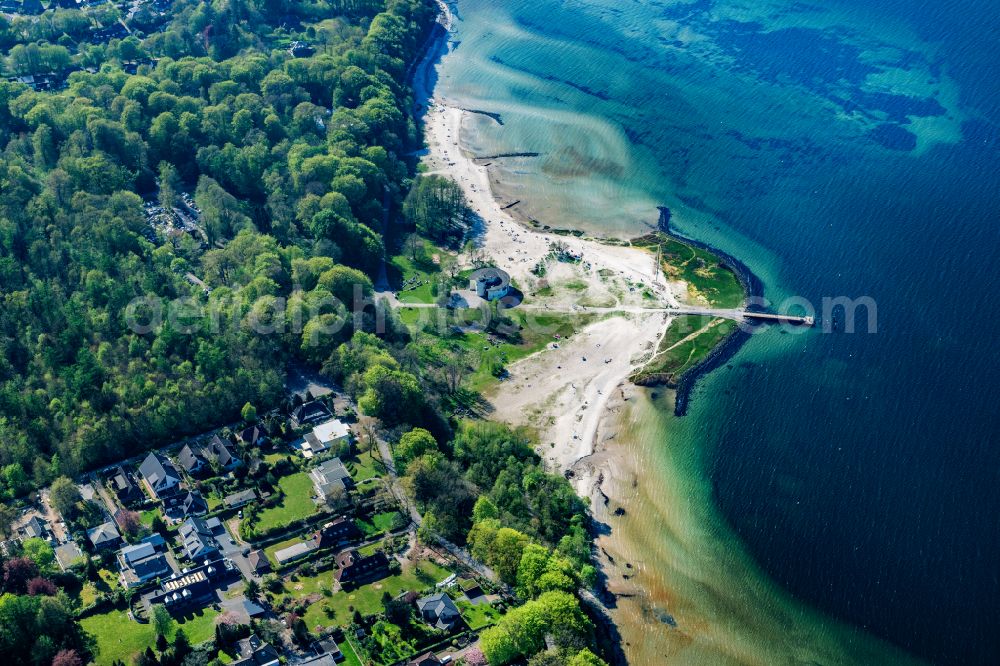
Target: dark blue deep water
864, 471
845, 148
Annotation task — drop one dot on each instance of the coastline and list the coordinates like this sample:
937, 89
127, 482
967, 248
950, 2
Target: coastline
753, 288
686, 591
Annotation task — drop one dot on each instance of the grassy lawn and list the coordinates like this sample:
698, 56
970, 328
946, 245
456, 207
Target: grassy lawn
478, 616
367, 599
295, 505
88, 594
707, 277
147, 516
364, 466
118, 637
380, 523
674, 357
350, 656
415, 277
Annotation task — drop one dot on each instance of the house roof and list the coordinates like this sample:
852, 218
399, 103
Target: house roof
310, 412
67, 554
255, 652
351, 565
196, 537
241, 497
331, 431
155, 469
36, 527
139, 551
251, 435
294, 551
426, 659
194, 503
329, 475
219, 451
258, 560
439, 609
103, 533
252, 608
189, 459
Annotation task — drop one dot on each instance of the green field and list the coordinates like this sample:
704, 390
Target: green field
380, 523
478, 616
676, 354
118, 637
707, 277
363, 466
295, 505
419, 276
337, 608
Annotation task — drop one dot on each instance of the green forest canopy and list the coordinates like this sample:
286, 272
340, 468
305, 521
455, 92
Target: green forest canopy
290, 160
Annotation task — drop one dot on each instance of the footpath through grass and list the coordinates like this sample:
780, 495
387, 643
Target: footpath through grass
687, 341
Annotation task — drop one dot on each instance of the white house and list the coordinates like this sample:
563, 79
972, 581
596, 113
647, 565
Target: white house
324, 437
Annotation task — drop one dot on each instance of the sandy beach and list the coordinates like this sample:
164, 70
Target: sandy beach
562, 391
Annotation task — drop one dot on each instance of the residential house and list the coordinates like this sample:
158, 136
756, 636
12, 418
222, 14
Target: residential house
355, 569
219, 452
324, 437
252, 436
330, 476
194, 504
239, 499
294, 552
142, 562
255, 652
160, 476
426, 659
104, 536
259, 562
68, 554
36, 528
309, 413
122, 485
439, 611
198, 539
192, 461
327, 653
193, 588
337, 532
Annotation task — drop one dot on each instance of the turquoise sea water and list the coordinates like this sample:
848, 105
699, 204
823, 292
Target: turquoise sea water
843, 148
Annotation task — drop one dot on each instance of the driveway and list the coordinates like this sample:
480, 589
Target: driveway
234, 551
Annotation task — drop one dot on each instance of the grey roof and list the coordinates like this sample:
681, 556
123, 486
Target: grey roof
310, 412
439, 610
36, 527
330, 475
251, 435
197, 538
155, 469
151, 566
294, 551
242, 497
194, 503
103, 533
139, 551
255, 652
189, 459
67, 554
218, 450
